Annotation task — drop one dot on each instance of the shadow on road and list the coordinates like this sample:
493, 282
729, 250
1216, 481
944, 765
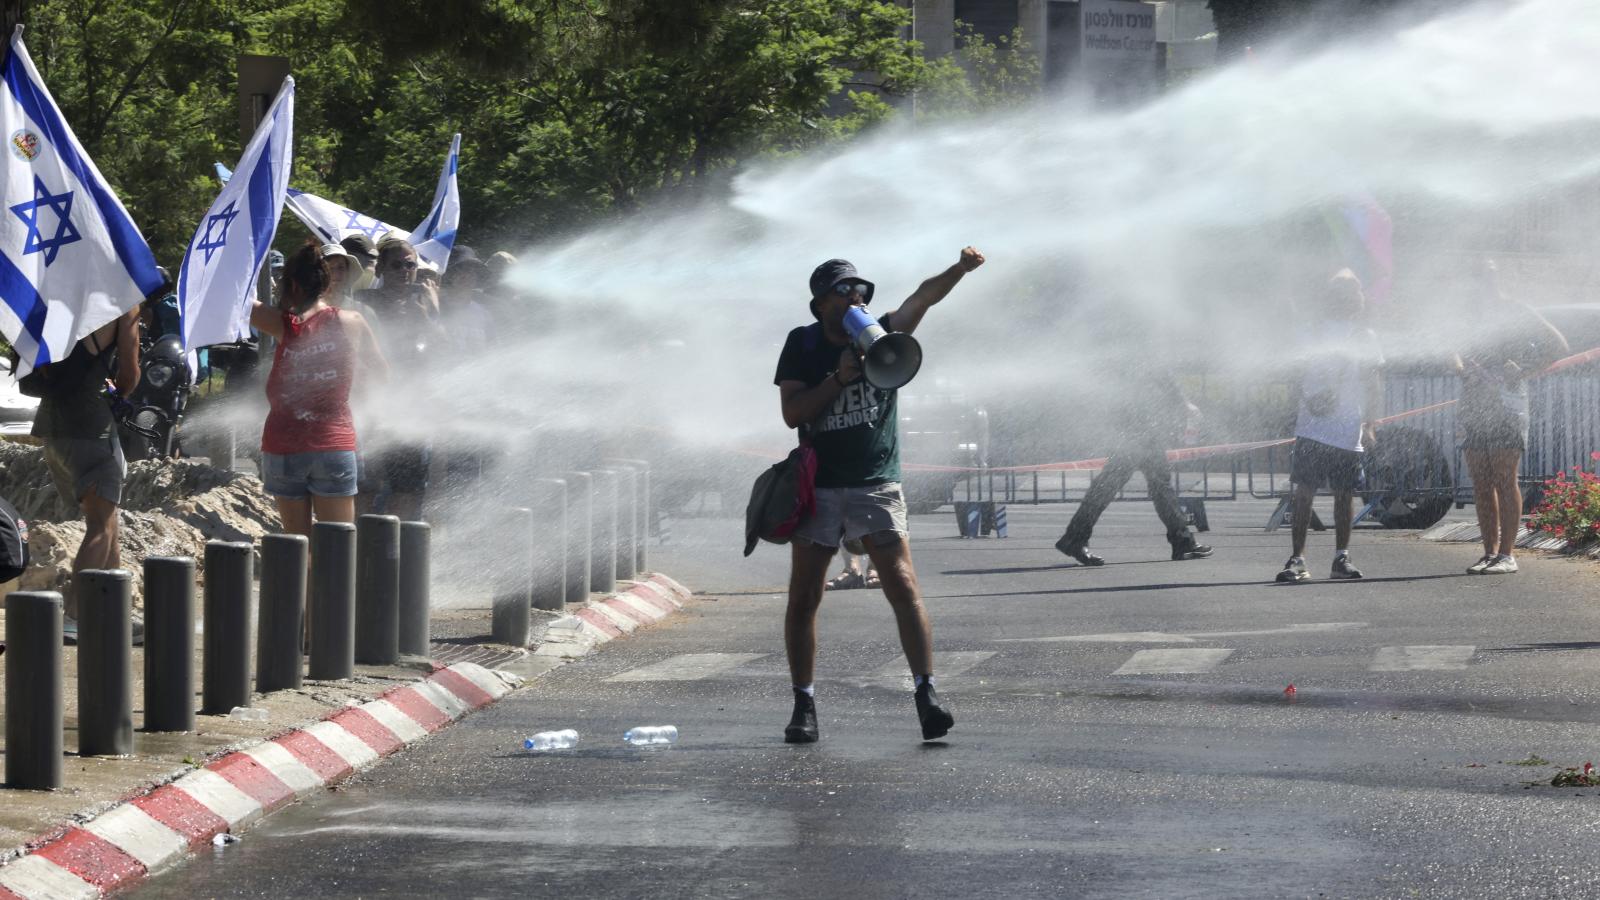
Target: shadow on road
1186, 585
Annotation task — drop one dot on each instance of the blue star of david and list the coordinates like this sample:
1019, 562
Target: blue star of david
371, 231
212, 244
29, 214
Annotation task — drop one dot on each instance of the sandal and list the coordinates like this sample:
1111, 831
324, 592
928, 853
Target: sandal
845, 581
871, 580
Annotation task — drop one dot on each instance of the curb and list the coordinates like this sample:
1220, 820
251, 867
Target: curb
153, 832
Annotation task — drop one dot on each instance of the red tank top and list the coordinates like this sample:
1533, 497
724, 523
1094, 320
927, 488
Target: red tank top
309, 388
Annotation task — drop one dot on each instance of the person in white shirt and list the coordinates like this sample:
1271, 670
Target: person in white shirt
1339, 402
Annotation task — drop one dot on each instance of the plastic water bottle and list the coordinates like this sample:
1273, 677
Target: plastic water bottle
646, 735
551, 740
248, 714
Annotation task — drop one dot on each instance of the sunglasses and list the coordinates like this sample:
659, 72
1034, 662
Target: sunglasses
846, 288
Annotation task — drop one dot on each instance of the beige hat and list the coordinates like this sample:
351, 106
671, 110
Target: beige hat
330, 251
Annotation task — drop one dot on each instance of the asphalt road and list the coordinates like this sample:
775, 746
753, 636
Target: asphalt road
1121, 732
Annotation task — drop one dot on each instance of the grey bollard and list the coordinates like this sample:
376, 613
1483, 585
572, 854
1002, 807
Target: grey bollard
513, 597
642, 507
225, 652
377, 590
416, 573
280, 622
105, 662
550, 544
35, 713
627, 524
580, 530
168, 643
603, 556
333, 601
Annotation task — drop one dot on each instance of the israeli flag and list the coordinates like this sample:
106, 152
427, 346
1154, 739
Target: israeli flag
71, 259
224, 257
435, 237
333, 223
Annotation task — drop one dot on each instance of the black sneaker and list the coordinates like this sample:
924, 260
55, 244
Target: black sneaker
802, 727
1080, 552
1344, 568
936, 720
1190, 550
1294, 570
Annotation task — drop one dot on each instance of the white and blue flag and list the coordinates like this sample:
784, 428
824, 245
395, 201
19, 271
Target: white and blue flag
435, 237
71, 259
333, 223
225, 255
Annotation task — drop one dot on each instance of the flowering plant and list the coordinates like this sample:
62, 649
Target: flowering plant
1570, 507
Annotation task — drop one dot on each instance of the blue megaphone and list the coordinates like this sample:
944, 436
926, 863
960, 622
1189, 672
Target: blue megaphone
889, 359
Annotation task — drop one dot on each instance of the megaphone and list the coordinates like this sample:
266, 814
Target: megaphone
889, 359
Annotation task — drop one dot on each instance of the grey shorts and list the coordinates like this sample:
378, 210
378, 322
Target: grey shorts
846, 515
78, 464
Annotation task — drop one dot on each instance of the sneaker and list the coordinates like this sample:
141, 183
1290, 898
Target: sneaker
1080, 552
936, 720
802, 728
1190, 550
1344, 568
1478, 567
1294, 570
69, 631
1502, 565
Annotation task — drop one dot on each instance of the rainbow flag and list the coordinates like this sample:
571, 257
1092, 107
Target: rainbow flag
1365, 235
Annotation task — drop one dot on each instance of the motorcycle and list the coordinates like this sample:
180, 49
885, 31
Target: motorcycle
150, 415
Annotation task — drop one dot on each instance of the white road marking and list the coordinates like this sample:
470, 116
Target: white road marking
687, 667
1173, 662
1162, 637
1418, 657
946, 664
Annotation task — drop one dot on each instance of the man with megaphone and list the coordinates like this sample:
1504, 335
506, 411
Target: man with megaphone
837, 378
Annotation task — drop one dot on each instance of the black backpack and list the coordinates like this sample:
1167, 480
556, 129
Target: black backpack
13, 542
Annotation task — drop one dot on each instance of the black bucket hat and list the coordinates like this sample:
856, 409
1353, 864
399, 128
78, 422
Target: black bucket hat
830, 273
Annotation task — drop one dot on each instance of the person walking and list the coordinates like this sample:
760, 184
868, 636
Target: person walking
1511, 342
308, 445
1339, 400
853, 428
1151, 412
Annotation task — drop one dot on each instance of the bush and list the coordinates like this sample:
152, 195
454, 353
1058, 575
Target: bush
1571, 507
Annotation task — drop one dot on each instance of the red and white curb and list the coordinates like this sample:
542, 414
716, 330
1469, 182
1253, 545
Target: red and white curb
154, 832
646, 602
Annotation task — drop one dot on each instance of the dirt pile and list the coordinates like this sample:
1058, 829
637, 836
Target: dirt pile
169, 508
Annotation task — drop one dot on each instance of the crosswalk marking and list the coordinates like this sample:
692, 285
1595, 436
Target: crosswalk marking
687, 667
1173, 662
946, 664
1418, 657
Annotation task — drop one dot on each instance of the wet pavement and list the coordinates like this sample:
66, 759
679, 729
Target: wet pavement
1120, 732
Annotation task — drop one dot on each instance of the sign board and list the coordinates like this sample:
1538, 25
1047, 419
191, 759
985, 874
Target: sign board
1118, 32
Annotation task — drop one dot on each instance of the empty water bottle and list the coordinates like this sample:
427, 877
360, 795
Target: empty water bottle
651, 734
565, 739
248, 714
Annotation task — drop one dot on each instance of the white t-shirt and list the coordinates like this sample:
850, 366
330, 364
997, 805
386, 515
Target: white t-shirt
1332, 394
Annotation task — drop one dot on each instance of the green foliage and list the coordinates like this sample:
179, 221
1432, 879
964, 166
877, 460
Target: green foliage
569, 109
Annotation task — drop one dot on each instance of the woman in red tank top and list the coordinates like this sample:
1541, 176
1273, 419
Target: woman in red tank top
308, 446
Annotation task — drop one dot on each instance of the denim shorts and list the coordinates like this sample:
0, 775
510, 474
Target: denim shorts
320, 473
846, 515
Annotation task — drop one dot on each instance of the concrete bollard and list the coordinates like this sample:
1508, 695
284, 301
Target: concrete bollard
280, 622
416, 574
580, 534
377, 590
35, 713
168, 643
627, 523
513, 596
225, 652
105, 662
333, 601
603, 556
550, 544
642, 510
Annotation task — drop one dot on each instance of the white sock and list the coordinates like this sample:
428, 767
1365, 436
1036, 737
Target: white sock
917, 680
810, 690
1340, 553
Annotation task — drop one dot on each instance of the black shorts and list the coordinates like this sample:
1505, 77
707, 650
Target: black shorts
1318, 465
404, 468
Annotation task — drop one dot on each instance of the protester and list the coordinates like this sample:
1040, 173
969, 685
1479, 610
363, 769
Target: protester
1339, 401
365, 253
308, 445
408, 324
1151, 412
462, 312
854, 575
81, 446
853, 428
1513, 342
344, 278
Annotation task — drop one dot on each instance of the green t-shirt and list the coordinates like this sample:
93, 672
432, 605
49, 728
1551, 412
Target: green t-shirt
857, 440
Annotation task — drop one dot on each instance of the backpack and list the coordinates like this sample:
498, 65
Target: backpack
13, 542
57, 378
783, 496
